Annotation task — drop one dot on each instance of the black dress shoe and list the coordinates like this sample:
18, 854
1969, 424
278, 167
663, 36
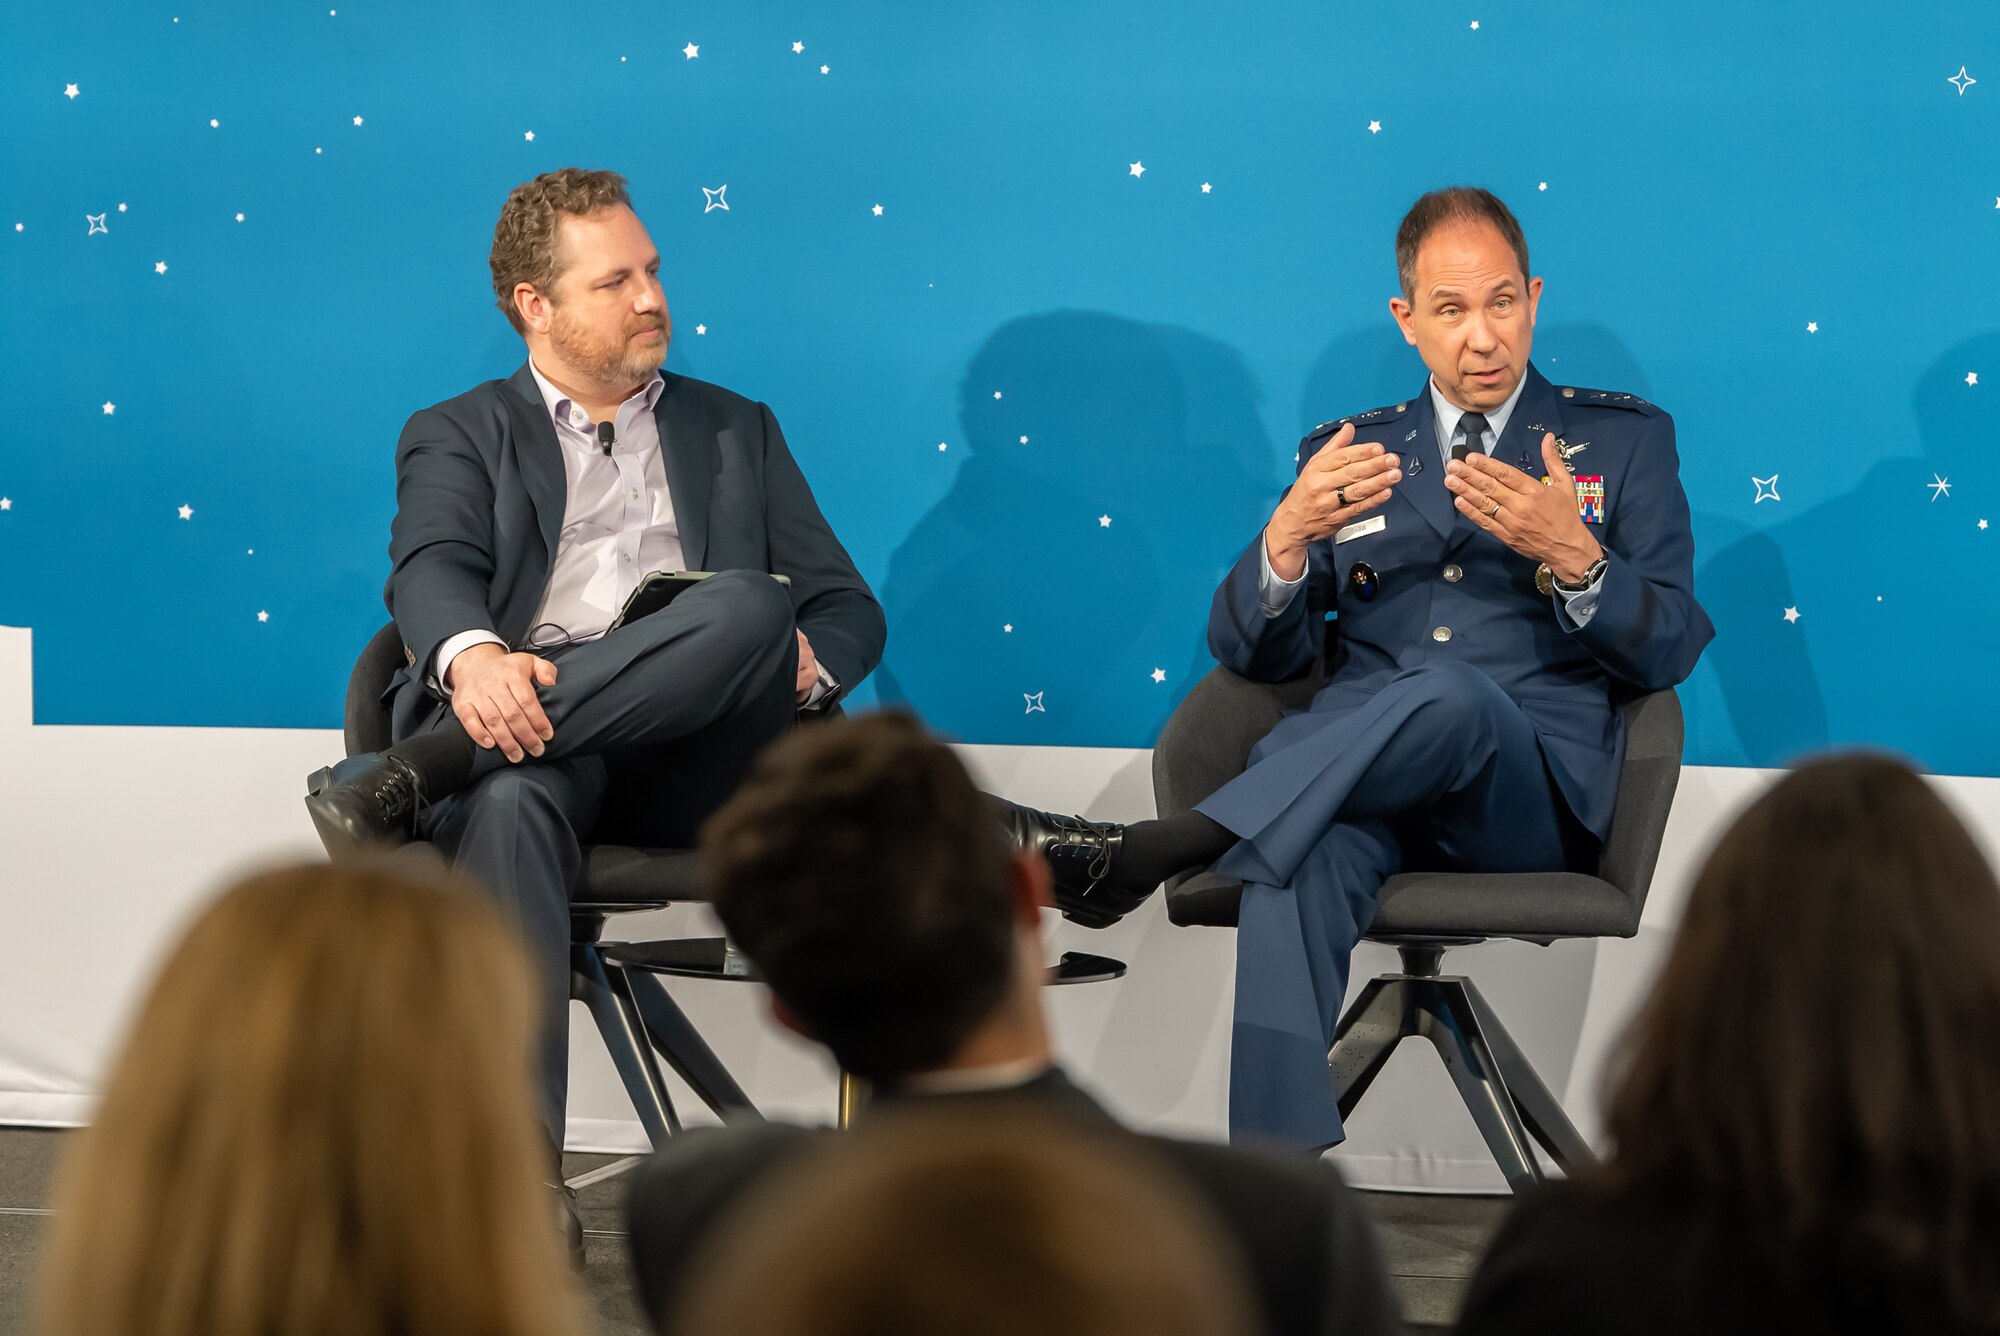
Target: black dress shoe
1082, 855
365, 803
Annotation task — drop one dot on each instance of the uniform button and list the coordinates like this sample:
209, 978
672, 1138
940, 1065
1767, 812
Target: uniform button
1569, 394
1453, 574
1440, 634
1401, 407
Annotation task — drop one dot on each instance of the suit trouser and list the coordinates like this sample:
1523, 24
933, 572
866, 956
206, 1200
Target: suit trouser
655, 725
1439, 770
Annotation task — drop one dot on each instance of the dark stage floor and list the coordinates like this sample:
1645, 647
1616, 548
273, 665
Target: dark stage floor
1431, 1242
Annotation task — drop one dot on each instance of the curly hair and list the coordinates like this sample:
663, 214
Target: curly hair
868, 879
524, 240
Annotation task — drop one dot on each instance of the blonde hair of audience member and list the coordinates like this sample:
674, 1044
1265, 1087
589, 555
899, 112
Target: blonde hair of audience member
935, 1221
1816, 1065
321, 1124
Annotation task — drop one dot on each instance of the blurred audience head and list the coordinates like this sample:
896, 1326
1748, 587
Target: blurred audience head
869, 881
321, 1122
929, 1221
1817, 1061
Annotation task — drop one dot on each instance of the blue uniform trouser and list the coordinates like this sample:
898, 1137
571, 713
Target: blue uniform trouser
655, 724
1439, 770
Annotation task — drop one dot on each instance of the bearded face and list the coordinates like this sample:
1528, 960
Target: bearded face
612, 347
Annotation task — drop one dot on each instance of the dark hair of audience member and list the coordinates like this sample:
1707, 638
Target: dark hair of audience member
867, 877
928, 1221
1817, 1064
321, 1124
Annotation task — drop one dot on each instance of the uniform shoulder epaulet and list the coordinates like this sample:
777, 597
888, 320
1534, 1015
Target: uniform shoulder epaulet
1374, 417
1607, 399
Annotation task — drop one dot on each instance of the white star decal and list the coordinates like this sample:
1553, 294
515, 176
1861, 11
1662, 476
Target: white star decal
1034, 700
186, 512
1544, 185
996, 394
1024, 440
1982, 524
1972, 378
69, 91
1767, 488
1136, 169
159, 266
263, 616
942, 447
1206, 188
121, 208
319, 150
1008, 628
1104, 521
1374, 127
878, 211
823, 69
357, 120
214, 124
529, 136
798, 48
109, 408
701, 329
1812, 326
1791, 614
96, 222
690, 50
7, 503
1159, 674
239, 217
1961, 81
712, 200
1475, 25
1939, 486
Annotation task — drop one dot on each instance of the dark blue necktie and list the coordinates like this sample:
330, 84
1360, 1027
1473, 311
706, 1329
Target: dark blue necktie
1474, 426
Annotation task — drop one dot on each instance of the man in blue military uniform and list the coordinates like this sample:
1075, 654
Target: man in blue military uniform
1507, 561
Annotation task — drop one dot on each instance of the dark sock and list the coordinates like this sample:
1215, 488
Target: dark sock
1156, 850
442, 758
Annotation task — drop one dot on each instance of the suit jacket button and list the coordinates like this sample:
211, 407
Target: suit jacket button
1441, 634
1453, 574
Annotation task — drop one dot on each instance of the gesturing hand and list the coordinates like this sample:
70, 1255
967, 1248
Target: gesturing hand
1540, 522
493, 695
808, 670
1341, 481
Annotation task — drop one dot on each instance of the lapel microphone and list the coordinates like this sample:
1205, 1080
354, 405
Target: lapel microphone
607, 436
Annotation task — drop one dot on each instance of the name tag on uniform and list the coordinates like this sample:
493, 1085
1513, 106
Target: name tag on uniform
1361, 529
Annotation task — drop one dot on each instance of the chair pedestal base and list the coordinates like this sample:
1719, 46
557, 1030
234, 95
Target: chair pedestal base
1507, 1099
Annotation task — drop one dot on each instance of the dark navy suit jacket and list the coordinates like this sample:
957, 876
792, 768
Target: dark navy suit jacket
480, 491
1448, 590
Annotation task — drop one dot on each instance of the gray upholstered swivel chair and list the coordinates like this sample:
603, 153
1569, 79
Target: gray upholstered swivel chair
1423, 914
635, 1016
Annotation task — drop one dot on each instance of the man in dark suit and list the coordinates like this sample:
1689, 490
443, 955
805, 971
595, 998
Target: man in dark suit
527, 511
862, 873
1488, 569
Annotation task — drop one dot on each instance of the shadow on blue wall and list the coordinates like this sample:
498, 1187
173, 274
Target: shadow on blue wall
1871, 606
1073, 418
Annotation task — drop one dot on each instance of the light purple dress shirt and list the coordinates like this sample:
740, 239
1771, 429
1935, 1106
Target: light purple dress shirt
618, 523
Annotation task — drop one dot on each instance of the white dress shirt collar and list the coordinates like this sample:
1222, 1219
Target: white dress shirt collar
1449, 413
570, 417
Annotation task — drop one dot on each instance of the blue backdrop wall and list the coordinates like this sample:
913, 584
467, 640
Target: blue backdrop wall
1043, 292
